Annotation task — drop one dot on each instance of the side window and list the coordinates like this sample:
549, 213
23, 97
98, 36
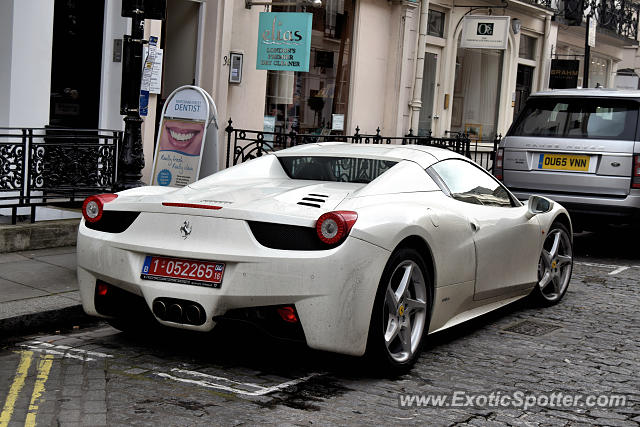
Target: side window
468, 183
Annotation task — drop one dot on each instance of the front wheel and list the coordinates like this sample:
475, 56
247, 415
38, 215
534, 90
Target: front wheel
555, 266
401, 311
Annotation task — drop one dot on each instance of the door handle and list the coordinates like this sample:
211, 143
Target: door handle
474, 226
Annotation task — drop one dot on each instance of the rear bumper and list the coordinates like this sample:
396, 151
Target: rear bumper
332, 290
614, 209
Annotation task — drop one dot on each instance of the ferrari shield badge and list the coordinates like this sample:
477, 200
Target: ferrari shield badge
185, 229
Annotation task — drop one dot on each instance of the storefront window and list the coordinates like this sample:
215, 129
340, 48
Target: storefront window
308, 102
598, 67
598, 71
477, 92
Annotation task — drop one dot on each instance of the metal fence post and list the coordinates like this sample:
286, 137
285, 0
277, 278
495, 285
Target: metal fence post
293, 138
228, 130
25, 175
28, 194
117, 144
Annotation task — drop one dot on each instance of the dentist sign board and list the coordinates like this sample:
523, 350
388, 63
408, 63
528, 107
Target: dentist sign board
284, 41
182, 137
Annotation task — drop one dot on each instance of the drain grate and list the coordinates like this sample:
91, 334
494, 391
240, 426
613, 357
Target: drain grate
531, 328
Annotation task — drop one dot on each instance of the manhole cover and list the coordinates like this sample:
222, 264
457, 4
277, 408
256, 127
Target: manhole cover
531, 328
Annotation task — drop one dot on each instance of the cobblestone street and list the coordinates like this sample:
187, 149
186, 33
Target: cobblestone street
586, 345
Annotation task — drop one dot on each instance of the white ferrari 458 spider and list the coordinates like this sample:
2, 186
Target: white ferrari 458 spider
355, 249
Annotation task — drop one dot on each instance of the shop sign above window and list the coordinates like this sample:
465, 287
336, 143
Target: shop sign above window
284, 41
484, 32
564, 73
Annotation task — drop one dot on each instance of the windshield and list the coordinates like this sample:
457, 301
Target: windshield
594, 118
340, 169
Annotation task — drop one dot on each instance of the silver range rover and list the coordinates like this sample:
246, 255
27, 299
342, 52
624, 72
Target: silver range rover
580, 147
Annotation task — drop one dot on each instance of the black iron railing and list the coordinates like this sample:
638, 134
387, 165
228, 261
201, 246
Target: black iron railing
47, 166
245, 144
619, 16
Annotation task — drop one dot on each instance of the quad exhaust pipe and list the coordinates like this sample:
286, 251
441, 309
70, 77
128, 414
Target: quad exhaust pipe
179, 311
193, 314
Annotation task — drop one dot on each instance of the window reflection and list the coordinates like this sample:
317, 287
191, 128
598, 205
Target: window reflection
306, 102
342, 169
576, 118
470, 184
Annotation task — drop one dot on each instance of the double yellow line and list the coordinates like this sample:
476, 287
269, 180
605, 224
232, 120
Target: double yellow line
44, 366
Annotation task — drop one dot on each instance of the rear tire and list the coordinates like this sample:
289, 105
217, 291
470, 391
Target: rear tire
401, 312
554, 267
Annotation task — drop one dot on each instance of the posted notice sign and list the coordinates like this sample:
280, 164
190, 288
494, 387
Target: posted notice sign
180, 143
284, 41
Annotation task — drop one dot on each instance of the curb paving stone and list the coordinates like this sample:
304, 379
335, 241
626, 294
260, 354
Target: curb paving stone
38, 287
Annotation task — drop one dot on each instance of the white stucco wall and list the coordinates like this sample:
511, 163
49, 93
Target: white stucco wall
25, 76
216, 43
115, 27
246, 100
402, 43
370, 66
6, 39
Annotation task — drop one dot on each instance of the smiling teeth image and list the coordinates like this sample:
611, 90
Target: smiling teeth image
181, 136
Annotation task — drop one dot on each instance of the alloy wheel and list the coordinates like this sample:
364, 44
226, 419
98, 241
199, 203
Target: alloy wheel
405, 310
555, 264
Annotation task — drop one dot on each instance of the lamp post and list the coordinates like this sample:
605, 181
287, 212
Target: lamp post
574, 13
131, 157
587, 53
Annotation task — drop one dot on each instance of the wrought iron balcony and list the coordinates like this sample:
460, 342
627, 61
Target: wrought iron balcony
618, 16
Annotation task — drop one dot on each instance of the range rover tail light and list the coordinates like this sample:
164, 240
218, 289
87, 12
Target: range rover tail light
93, 206
635, 178
333, 227
498, 165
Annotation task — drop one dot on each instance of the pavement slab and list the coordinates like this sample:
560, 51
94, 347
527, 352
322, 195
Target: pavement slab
66, 260
12, 291
40, 275
39, 290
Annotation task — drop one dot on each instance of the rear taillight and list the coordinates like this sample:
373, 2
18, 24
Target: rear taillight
635, 178
288, 314
333, 227
497, 166
102, 288
92, 206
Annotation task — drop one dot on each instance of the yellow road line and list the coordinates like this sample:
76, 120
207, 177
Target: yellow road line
44, 366
14, 391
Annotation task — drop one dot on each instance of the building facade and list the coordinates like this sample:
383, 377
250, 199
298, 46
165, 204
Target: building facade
396, 65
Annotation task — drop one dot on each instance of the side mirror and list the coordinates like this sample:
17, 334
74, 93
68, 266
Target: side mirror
538, 205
